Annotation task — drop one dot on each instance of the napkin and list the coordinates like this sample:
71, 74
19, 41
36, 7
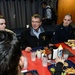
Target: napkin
60, 47
65, 51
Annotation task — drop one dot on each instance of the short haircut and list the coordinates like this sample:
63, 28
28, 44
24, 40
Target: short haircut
69, 15
9, 53
44, 2
2, 17
37, 16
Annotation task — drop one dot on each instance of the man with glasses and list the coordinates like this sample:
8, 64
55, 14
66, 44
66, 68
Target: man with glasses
34, 36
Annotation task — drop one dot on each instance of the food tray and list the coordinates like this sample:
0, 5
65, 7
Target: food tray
70, 64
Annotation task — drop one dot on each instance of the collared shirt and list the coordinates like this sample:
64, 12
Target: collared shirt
37, 33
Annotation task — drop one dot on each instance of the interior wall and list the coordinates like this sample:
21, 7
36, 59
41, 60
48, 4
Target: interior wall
64, 7
18, 12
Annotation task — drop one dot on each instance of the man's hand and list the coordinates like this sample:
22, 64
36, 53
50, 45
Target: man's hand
58, 59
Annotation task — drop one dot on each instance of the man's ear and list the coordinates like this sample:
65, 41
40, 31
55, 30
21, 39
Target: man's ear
71, 21
40, 23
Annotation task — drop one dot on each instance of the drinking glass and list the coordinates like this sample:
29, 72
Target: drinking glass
44, 61
65, 56
25, 63
33, 56
39, 54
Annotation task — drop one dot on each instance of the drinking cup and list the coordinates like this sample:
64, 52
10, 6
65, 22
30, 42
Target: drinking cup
65, 56
39, 54
33, 56
25, 63
44, 61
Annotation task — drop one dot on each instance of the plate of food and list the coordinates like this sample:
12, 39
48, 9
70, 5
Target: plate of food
69, 68
71, 43
32, 72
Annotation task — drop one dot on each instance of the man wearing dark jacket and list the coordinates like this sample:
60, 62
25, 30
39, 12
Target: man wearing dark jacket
64, 31
34, 36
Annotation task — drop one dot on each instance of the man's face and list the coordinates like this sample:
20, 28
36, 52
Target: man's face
35, 23
67, 20
43, 6
2, 24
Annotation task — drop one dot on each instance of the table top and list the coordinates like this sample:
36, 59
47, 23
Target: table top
36, 65
66, 47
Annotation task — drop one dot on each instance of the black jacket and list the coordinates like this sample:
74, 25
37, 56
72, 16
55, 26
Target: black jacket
29, 39
62, 34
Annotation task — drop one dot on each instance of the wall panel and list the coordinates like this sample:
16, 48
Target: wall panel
64, 7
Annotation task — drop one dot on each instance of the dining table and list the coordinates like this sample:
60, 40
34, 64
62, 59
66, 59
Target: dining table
37, 64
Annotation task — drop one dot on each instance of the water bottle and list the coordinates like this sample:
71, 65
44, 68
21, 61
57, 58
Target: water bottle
59, 53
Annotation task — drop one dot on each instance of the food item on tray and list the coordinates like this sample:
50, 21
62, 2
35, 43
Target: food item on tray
70, 70
52, 70
71, 40
71, 43
46, 51
42, 51
63, 73
65, 64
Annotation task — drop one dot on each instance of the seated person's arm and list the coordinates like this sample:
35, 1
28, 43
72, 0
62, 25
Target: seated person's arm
23, 40
59, 66
24, 43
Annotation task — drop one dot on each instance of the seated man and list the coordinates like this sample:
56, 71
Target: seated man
34, 36
64, 31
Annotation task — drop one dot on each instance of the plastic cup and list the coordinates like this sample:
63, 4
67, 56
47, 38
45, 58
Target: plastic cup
33, 56
25, 63
44, 61
65, 56
39, 54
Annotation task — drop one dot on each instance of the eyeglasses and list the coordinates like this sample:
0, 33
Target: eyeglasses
35, 21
